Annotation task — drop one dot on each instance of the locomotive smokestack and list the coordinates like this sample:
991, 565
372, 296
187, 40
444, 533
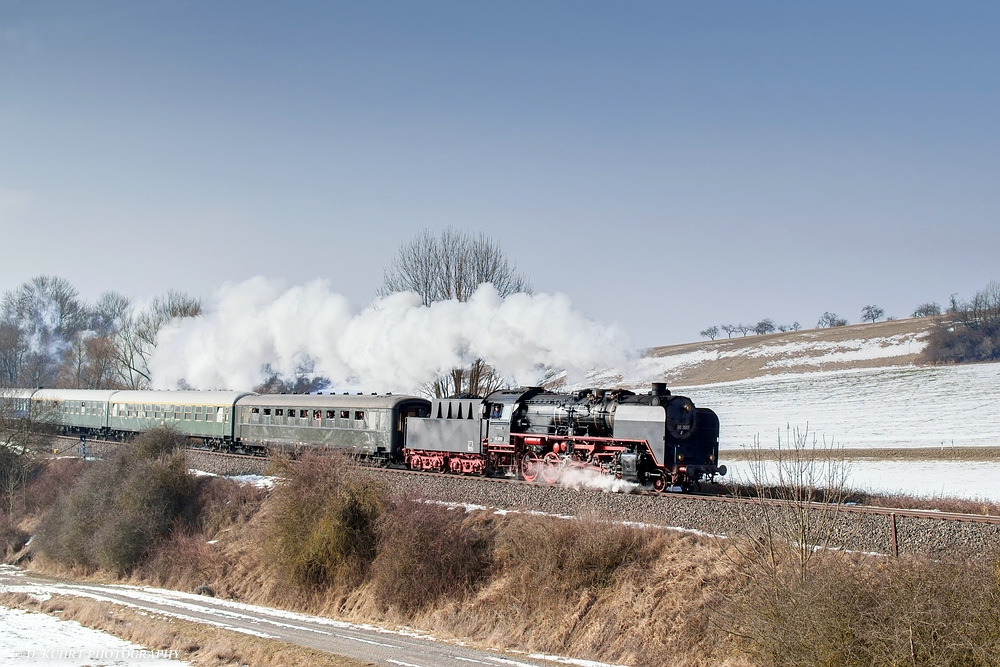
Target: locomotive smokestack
660, 389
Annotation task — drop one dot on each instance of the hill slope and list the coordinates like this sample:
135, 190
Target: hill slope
895, 343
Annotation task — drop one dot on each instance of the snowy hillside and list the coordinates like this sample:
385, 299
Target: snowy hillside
895, 343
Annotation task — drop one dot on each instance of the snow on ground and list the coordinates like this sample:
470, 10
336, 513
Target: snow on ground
902, 406
943, 479
28, 638
796, 353
260, 481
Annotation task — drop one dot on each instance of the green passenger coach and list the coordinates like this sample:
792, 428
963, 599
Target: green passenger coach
205, 415
369, 425
75, 410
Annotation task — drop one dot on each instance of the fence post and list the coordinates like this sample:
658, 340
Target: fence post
895, 544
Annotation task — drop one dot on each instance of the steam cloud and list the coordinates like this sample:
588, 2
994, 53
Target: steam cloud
395, 344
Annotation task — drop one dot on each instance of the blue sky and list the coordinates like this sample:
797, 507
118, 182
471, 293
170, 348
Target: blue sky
667, 165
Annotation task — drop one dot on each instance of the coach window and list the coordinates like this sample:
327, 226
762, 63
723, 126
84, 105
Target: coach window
330, 414
303, 414
187, 413
278, 412
267, 411
359, 415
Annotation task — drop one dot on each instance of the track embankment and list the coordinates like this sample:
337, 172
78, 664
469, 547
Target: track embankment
867, 529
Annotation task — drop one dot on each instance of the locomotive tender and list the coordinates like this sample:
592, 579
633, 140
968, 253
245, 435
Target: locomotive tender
655, 440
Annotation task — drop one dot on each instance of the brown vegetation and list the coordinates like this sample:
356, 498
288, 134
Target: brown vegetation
112, 517
331, 540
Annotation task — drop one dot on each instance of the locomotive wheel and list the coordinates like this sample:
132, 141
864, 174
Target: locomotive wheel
551, 468
660, 484
530, 466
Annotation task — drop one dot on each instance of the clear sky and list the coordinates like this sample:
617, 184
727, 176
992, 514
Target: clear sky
667, 165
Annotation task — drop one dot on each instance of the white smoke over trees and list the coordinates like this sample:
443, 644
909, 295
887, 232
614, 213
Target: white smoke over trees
448, 267
396, 344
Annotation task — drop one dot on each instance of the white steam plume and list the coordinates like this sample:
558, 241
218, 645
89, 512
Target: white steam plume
395, 344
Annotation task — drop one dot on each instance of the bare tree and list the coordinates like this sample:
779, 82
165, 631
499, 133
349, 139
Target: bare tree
13, 351
452, 266
831, 320
927, 309
136, 339
711, 333
47, 313
765, 326
744, 328
872, 312
23, 435
730, 329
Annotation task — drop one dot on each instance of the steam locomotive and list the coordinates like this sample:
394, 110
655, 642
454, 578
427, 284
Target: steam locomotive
656, 440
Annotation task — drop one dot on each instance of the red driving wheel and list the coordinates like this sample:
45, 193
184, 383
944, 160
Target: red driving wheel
530, 466
551, 468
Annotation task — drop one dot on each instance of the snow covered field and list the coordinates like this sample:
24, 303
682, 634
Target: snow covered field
905, 406
38, 639
975, 480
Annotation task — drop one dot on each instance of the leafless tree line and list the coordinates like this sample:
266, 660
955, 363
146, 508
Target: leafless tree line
970, 331
50, 337
765, 326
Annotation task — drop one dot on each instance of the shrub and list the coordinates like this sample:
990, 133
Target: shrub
323, 528
829, 319
568, 557
929, 309
974, 332
427, 552
221, 503
12, 538
118, 509
858, 612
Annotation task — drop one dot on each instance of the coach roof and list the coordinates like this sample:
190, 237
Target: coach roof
179, 397
327, 400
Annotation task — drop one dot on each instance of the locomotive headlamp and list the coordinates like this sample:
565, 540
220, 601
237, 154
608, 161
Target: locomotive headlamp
680, 457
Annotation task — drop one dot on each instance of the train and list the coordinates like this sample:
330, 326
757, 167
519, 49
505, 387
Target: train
655, 440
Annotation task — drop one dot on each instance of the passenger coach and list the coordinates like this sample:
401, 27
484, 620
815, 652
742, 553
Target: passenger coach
369, 425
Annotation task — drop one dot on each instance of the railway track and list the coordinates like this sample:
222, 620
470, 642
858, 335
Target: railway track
870, 510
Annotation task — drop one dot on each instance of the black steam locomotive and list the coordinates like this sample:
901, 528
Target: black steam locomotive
656, 440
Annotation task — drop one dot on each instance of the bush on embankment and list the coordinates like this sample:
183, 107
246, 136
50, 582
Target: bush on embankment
112, 517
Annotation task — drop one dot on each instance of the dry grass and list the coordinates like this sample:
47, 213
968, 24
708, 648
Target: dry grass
855, 610
200, 644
